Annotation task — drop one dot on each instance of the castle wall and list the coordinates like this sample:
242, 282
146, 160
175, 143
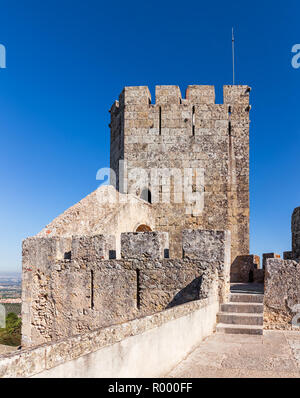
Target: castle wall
281, 294
296, 233
191, 133
71, 286
163, 338
282, 284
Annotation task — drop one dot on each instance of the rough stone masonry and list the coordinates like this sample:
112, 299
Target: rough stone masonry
282, 285
177, 133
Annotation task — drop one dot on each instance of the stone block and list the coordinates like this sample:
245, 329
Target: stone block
138, 95
200, 94
147, 245
207, 245
238, 95
167, 95
93, 248
42, 253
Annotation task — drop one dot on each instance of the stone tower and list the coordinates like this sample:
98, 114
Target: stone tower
296, 233
193, 140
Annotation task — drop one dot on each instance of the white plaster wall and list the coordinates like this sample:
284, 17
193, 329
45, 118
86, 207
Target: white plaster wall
150, 354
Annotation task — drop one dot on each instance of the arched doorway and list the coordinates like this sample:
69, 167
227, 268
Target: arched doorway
143, 228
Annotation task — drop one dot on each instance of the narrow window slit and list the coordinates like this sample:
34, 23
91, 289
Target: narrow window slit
159, 121
229, 121
193, 120
138, 290
92, 289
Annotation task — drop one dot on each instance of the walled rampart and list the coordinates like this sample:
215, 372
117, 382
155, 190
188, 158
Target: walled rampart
72, 285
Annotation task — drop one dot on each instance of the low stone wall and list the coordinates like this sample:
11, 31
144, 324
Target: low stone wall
281, 293
147, 347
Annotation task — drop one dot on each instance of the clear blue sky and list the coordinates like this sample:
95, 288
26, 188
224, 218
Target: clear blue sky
68, 60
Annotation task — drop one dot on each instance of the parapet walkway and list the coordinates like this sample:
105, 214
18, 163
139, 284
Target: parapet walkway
274, 354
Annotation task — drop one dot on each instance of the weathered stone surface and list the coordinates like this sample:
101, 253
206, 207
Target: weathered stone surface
144, 245
282, 293
44, 252
93, 248
282, 277
206, 244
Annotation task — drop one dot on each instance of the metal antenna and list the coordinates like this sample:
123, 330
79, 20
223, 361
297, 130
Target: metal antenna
232, 58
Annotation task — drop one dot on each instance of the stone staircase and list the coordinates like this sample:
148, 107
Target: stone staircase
243, 314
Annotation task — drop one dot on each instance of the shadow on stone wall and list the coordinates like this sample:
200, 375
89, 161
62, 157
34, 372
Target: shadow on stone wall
190, 293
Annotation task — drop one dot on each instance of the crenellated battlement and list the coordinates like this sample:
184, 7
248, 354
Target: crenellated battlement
44, 253
171, 95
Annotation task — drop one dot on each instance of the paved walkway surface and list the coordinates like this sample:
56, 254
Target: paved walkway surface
275, 354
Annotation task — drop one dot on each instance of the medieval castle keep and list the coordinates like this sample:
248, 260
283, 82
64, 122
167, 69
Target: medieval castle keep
175, 133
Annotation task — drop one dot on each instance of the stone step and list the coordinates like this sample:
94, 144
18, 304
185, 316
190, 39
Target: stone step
246, 298
253, 308
240, 318
239, 329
